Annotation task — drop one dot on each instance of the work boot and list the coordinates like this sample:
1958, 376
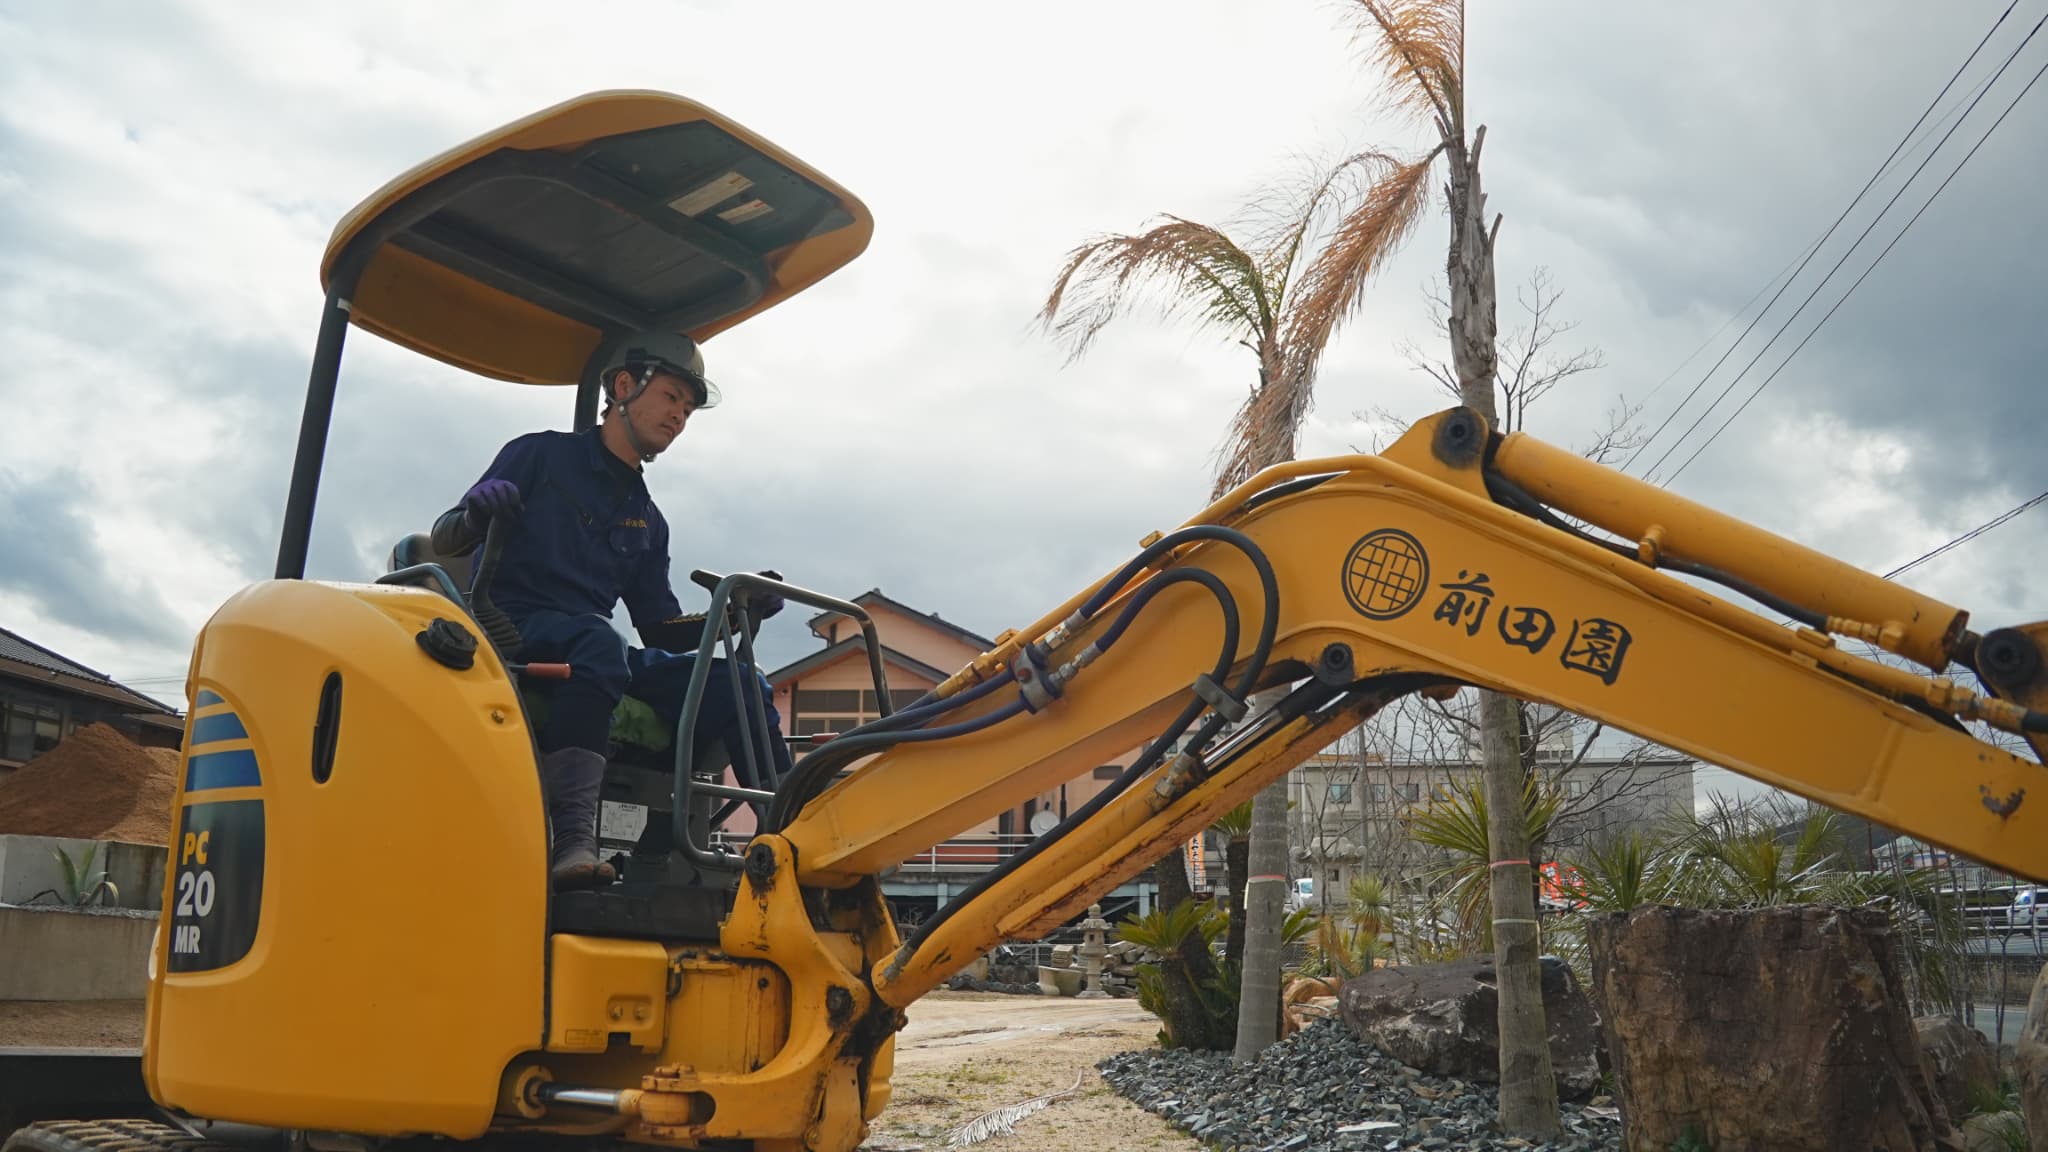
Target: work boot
571, 778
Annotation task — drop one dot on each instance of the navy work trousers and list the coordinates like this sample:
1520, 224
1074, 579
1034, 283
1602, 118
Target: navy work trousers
580, 708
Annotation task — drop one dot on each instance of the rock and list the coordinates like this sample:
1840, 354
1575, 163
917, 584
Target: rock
1994, 1132
1960, 1058
1444, 1019
1008, 965
2030, 1063
1779, 1028
1322, 1088
1060, 981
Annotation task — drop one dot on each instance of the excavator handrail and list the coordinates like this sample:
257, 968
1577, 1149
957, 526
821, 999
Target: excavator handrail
730, 590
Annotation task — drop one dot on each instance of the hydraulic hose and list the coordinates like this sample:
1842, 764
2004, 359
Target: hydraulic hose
1144, 764
1507, 492
817, 769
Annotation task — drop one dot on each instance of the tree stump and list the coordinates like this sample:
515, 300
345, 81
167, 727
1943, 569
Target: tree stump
1776, 1029
2031, 1060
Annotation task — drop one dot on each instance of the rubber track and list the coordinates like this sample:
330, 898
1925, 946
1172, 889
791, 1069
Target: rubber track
106, 1136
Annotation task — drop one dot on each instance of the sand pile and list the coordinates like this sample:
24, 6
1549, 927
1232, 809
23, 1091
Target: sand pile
96, 784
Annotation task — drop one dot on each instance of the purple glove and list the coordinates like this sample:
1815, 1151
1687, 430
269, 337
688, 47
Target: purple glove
768, 603
488, 499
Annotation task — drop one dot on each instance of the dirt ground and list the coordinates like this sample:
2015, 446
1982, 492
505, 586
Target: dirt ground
70, 1024
962, 1054
967, 1053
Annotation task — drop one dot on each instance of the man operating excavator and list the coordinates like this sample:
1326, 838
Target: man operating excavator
582, 533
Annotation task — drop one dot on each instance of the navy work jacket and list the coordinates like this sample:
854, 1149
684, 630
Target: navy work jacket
587, 534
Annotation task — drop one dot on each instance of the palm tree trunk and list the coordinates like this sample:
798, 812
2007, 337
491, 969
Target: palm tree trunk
1528, 1088
1265, 898
1187, 1021
1237, 856
1170, 873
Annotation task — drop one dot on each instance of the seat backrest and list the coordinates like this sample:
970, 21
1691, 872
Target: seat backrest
418, 548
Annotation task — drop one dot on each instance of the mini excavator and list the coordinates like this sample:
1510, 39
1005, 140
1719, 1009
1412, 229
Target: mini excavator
742, 993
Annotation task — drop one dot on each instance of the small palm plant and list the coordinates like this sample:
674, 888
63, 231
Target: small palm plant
82, 886
1194, 997
1454, 821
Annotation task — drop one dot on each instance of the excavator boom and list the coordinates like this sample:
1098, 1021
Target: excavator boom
1370, 577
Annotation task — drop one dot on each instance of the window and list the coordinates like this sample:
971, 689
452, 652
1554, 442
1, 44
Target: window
28, 728
1411, 792
841, 709
1340, 792
835, 700
1378, 791
899, 699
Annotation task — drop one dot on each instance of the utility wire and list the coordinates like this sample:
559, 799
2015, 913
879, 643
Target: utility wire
1725, 325
1966, 537
1864, 235
1852, 288
2010, 513
1874, 177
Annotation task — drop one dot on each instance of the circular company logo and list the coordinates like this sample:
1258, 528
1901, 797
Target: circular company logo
1386, 574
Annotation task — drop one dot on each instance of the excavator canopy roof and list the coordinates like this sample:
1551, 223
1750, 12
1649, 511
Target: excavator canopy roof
518, 254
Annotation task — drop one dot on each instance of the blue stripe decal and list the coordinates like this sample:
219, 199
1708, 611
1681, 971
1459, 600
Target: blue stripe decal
208, 699
236, 769
213, 729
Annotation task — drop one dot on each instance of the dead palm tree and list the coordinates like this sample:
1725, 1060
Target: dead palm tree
1416, 51
1280, 294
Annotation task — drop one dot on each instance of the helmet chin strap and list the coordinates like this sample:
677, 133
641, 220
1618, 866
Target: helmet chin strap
626, 419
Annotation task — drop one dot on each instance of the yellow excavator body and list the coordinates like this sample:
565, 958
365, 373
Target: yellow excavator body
354, 932
359, 942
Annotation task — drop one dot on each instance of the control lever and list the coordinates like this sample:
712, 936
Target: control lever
498, 627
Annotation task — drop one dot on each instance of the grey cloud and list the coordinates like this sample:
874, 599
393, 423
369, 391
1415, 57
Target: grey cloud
901, 426
52, 561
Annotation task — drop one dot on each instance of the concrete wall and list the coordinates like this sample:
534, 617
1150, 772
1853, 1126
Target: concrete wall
74, 954
29, 866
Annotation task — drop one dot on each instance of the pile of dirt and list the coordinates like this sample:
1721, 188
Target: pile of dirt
96, 784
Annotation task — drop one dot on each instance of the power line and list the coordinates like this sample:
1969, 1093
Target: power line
1859, 280
1966, 537
1725, 325
1874, 177
1858, 243
1951, 545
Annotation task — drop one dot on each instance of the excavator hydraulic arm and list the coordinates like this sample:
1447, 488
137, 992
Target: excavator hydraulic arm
1445, 561
1289, 611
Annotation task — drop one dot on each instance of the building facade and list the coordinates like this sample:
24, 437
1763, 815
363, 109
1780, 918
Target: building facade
1351, 807
44, 697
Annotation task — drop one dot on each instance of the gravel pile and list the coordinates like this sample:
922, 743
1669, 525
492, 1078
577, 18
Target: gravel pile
1324, 1088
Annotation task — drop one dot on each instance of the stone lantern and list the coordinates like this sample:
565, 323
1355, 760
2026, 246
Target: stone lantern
1091, 952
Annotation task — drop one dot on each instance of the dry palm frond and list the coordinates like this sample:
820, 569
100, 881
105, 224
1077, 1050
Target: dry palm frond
1333, 286
1379, 200
1419, 46
1003, 1121
1328, 190
1201, 268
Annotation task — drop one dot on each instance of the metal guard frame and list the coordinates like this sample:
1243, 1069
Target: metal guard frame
745, 764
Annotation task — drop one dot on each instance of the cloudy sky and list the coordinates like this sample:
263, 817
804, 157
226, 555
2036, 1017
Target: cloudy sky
169, 175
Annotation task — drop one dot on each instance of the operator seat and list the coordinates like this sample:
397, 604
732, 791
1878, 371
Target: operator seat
418, 548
